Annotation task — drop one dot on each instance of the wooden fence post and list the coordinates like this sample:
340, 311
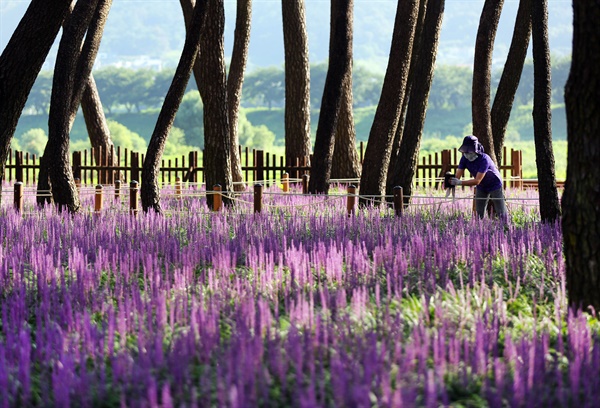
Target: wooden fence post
258, 190
19, 197
19, 166
117, 190
398, 200
305, 178
351, 200
217, 197
135, 166
98, 199
178, 187
133, 197
259, 163
285, 182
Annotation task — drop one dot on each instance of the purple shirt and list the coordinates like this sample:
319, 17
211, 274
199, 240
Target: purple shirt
483, 164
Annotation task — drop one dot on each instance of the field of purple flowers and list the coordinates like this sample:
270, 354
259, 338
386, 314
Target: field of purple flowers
300, 305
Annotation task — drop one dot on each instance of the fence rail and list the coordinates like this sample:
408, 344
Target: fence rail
98, 166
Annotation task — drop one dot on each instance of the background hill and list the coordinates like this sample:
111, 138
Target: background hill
152, 31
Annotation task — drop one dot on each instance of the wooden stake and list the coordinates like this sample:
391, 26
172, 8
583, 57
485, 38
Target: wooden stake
285, 182
258, 190
98, 199
351, 199
19, 197
133, 197
217, 197
398, 200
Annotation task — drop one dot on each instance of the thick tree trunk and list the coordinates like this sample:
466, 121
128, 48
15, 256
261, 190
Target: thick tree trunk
482, 74
150, 189
95, 122
511, 76
297, 80
413, 62
581, 199
542, 114
21, 62
403, 169
217, 160
73, 67
381, 136
345, 163
235, 80
340, 59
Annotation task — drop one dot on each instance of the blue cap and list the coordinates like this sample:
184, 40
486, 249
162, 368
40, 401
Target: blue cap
471, 144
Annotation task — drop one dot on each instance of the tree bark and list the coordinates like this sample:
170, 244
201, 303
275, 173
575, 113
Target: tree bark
150, 190
381, 136
482, 74
403, 169
413, 61
297, 81
95, 122
345, 162
21, 62
542, 114
73, 67
340, 60
511, 76
581, 198
239, 57
213, 89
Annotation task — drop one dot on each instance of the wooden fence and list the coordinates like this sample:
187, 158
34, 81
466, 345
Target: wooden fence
102, 167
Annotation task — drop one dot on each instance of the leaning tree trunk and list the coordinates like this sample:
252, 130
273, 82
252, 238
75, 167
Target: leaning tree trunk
73, 67
542, 114
403, 169
580, 203
213, 89
239, 57
21, 62
345, 163
150, 190
297, 81
340, 59
95, 122
482, 74
412, 69
381, 136
511, 76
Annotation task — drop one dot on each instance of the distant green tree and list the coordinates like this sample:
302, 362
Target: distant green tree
190, 118
265, 86
34, 141
125, 138
39, 97
366, 87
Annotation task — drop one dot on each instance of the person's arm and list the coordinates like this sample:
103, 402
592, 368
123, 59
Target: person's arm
471, 182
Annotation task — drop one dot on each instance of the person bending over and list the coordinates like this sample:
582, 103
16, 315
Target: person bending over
486, 177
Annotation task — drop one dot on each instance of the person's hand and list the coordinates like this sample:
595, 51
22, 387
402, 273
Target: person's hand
455, 182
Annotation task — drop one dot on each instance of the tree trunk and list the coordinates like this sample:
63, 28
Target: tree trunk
340, 60
97, 128
150, 190
239, 57
297, 81
345, 163
413, 61
381, 136
213, 89
21, 62
511, 76
542, 114
73, 67
581, 199
482, 73
403, 169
